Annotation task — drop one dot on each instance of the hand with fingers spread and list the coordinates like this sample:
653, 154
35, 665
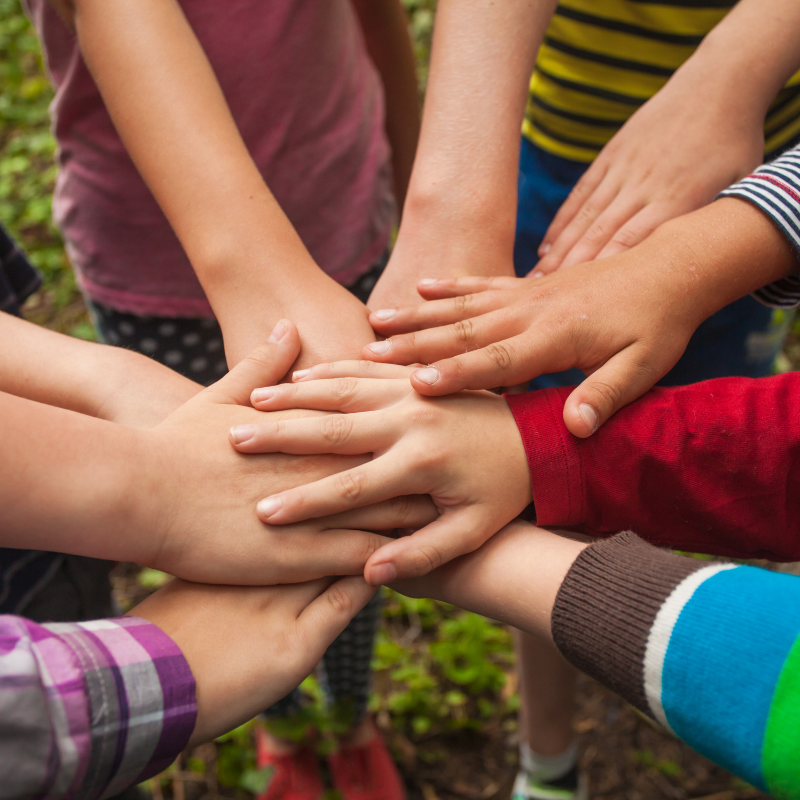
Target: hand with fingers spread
625, 320
464, 451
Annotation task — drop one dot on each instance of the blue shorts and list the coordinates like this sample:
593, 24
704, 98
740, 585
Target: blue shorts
742, 339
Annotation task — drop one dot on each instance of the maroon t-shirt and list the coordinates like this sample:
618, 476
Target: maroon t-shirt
309, 105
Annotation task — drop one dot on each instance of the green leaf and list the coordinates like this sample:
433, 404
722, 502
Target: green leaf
256, 780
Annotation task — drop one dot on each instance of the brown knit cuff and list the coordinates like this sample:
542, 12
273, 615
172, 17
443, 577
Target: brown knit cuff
607, 604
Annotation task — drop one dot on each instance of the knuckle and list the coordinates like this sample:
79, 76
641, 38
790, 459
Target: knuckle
350, 485
626, 237
426, 558
280, 429
608, 394
339, 599
463, 303
371, 543
463, 332
596, 233
336, 428
344, 388
401, 510
501, 354
586, 213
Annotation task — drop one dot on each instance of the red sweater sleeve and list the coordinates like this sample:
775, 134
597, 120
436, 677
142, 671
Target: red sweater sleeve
713, 467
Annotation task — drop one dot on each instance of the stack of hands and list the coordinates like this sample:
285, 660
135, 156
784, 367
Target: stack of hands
331, 485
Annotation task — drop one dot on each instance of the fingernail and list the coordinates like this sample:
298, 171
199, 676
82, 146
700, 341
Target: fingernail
545, 249
428, 375
537, 274
261, 395
380, 348
589, 416
268, 506
382, 573
385, 313
301, 374
278, 332
428, 281
241, 433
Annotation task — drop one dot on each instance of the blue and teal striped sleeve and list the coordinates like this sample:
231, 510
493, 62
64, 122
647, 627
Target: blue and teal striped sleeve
711, 651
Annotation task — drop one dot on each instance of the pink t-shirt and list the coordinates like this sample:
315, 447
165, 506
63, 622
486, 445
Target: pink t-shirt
309, 105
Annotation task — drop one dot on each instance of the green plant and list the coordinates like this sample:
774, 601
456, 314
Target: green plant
27, 152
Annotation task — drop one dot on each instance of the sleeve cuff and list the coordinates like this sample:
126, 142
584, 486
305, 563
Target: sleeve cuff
553, 458
141, 695
775, 190
603, 617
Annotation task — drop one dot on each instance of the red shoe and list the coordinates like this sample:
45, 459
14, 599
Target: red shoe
366, 773
296, 775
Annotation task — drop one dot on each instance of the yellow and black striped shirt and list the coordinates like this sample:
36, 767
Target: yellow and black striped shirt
603, 59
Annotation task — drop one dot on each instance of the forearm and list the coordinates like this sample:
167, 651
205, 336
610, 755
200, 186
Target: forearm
691, 644
141, 706
696, 646
172, 116
460, 212
513, 578
748, 57
385, 28
66, 483
468, 157
92, 379
713, 467
481, 61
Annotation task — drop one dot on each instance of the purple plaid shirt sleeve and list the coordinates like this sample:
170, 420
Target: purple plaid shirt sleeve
88, 709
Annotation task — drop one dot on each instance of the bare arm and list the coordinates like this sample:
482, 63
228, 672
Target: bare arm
172, 116
98, 380
385, 28
460, 213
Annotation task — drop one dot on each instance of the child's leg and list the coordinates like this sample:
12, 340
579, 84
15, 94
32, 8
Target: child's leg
548, 750
545, 716
347, 665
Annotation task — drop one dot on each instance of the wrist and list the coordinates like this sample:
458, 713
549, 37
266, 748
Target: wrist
147, 511
451, 212
718, 254
743, 90
331, 321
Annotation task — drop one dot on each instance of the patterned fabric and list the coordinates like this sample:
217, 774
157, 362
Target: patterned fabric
601, 61
89, 709
699, 647
775, 189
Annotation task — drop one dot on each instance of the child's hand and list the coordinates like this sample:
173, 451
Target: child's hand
248, 647
202, 518
463, 450
624, 320
673, 156
624, 333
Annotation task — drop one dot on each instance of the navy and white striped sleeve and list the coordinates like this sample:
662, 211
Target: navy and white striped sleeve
775, 189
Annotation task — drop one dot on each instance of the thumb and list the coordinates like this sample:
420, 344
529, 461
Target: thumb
621, 380
265, 366
325, 617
